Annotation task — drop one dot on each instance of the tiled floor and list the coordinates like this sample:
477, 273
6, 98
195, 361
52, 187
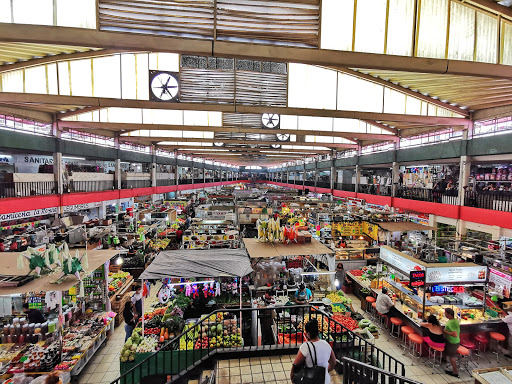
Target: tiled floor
268, 370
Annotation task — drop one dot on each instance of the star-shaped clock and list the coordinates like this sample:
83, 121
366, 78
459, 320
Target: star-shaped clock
270, 120
164, 86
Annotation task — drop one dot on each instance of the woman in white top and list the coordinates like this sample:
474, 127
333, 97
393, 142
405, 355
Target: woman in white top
324, 353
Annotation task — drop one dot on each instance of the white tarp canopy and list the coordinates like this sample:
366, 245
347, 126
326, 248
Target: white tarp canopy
189, 263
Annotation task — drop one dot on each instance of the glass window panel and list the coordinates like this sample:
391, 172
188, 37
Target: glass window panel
142, 76
319, 139
315, 123
63, 70
76, 13
164, 61
358, 95
288, 122
400, 27
81, 79
121, 115
486, 37
128, 76
432, 28
51, 70
337, 24
202, 118
35, 79
12, 81
412, 106
462, 32
33, 12
394, 102
370, 26
349, 125
311, 87
159, 116
107, 76
5, 11
506, 38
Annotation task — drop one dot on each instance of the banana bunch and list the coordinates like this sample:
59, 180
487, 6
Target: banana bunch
269, 231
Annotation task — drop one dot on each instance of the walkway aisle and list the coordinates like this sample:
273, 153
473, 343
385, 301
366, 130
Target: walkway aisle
104, 366
421, 372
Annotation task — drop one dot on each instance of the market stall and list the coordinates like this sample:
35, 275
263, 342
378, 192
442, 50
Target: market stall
424, 288
78, 314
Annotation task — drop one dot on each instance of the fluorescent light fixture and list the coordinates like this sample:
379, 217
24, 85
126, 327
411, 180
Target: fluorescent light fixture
73, 158
317, 273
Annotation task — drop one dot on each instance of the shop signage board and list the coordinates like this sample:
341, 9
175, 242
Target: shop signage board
25, 214
348, 228
416, 279
371, 230
502, 282
80, 207
399, 261
456, 274
32, 224
352, 201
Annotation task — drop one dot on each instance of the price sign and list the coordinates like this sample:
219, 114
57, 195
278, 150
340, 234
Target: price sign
416, 279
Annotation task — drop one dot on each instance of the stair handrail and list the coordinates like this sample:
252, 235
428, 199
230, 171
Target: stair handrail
170, 343
379, 376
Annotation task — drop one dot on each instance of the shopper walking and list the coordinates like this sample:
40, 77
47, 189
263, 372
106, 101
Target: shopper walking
129, 319
137, 301
451, 334
314, 360
339, 277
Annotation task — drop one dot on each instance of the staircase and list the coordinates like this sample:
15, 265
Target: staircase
188, 365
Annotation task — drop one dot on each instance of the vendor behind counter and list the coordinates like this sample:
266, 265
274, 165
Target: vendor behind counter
34, 315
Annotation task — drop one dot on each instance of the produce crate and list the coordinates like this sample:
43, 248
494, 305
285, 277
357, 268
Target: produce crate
366, 334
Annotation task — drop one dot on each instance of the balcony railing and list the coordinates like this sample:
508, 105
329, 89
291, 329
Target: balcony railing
89, 186
345, 187
375, 189
495, 200
323, 184
23, 189
129, 184
165, 182
423, 194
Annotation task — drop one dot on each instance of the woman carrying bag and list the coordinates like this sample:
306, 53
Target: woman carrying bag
314, 360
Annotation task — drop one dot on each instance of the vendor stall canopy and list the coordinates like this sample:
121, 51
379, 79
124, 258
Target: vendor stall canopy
404, 226
257, 82
191, 263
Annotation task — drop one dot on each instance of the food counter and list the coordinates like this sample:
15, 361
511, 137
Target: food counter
422, 289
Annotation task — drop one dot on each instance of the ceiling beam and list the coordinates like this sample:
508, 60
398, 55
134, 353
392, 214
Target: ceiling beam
127, 127
491, 6
42, 117
192, 148
31, 98
499, 110
57, 58
381, 126
40, 34
401, 89
154, 140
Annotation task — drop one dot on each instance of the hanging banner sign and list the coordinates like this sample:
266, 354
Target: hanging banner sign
26, 214
416, 279
80, 207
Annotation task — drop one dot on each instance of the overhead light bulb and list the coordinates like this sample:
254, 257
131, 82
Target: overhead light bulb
119, 260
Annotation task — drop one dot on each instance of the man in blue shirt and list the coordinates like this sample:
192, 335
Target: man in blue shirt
303, 295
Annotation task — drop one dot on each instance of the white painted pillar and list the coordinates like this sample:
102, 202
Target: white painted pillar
465, 169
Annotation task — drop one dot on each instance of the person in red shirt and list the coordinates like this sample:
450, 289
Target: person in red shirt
179, 235
2, 246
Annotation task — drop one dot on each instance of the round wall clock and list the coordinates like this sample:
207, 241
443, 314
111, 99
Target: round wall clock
164, 86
